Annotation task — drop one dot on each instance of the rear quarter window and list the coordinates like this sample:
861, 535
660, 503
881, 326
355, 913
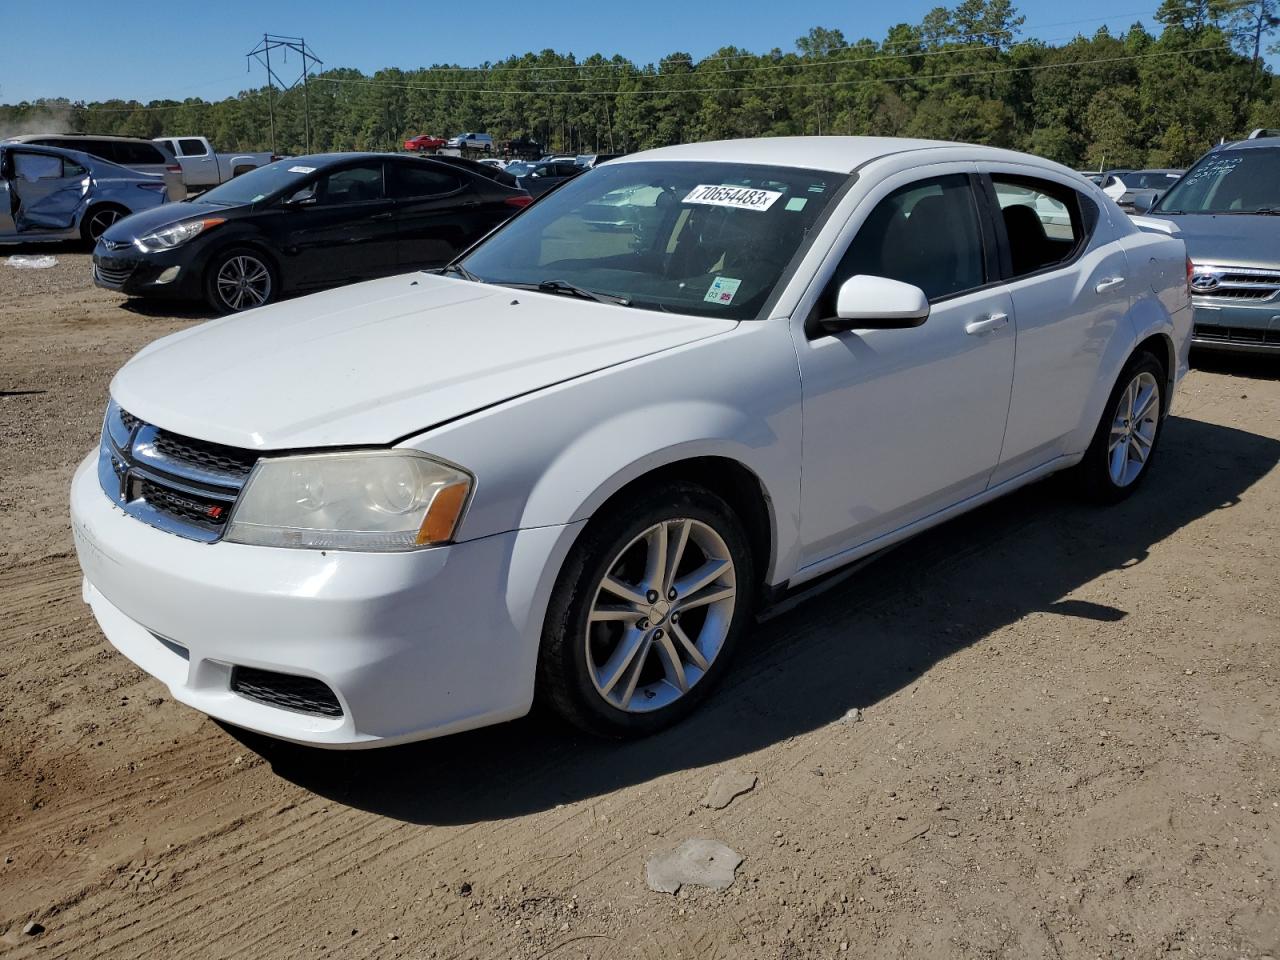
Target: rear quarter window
130, 154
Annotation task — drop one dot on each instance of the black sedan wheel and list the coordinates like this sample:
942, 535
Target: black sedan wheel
240, 279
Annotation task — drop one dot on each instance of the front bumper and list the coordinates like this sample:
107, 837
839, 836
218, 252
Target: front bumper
143, 275
1237, 327
412, 645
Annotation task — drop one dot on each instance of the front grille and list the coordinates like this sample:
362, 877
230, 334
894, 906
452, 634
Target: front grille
1235, 283
211, 456
286, 691
1219, 334
180, 484
113, 276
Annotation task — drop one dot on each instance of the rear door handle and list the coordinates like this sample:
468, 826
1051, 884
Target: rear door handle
381, 216
992, 321
1107, 284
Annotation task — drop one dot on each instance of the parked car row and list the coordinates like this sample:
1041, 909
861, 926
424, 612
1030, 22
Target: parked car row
49, 193
141, 156
302, 224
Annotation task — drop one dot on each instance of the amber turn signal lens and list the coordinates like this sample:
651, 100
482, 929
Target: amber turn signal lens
443, 514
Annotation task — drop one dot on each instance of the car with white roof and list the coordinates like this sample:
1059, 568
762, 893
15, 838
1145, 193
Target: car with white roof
573, 464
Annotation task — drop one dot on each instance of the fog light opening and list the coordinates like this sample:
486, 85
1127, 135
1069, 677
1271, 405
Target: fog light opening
168, 275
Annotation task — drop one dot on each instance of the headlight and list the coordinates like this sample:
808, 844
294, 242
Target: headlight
374, 500
178, 233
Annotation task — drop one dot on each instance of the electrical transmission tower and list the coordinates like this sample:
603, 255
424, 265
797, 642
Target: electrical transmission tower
262, 53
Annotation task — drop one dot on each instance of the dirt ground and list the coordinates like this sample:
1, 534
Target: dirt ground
1069, 744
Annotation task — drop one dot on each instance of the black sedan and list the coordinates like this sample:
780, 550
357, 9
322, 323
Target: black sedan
302, 224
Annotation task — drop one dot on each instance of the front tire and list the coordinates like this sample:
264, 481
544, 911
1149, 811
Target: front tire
1120, 455
240, 279
647, 612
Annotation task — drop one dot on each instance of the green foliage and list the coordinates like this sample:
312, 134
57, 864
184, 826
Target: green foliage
960, 74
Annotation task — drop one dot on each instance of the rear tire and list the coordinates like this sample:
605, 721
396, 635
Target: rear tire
1119, 457
240, 279
98, 220
646, 612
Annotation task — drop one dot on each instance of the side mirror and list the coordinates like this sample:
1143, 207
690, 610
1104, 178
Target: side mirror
877, 303
1143, 200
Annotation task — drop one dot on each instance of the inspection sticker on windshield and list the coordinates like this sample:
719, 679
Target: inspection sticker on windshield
722, 290
302, 169
727, 195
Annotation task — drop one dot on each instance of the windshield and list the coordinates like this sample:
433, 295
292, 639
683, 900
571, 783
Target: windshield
257, 184
1151, 180
711, 239
1228, 181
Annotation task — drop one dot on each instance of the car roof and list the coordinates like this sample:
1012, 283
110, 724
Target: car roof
837, 154
28, 137
1257, 143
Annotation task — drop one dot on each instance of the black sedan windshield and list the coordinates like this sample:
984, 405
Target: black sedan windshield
712, 239
1228, 181
257, 184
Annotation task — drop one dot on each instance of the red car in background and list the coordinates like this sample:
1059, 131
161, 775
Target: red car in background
424, 141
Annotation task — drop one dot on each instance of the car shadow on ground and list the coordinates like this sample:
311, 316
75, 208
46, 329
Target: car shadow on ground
1251, 366
169, 309
851, 646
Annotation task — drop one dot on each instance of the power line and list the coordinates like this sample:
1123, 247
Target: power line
615, 62
534, 92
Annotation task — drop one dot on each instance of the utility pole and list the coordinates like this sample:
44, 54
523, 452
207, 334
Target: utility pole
262, 53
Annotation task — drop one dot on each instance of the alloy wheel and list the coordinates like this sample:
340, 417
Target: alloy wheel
660, 616
243, 281
1133, 429
101, 221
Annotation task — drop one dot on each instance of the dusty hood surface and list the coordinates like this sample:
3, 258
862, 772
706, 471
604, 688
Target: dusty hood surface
374, 362
1241, 240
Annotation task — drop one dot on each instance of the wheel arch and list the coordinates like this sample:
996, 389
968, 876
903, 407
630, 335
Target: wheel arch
93, 207
1160, 345
726, 477
250, 242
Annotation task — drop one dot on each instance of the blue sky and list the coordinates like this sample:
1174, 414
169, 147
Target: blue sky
97, 50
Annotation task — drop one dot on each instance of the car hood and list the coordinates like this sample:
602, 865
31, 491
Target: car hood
375, 362
137, 225
1232, 239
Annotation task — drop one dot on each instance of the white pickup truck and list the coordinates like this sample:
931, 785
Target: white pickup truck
204, 167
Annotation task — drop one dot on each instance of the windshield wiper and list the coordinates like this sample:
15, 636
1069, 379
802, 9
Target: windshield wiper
570, 290
461, 271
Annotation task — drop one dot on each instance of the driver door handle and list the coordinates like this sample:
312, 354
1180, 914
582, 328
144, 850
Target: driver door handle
381, 216
992, 321
1108, 284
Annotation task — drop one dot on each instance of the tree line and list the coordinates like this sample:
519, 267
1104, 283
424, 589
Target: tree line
1145, 98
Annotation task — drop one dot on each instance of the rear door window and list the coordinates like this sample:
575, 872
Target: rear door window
409, 182
129, 153
191, 148
1045, 222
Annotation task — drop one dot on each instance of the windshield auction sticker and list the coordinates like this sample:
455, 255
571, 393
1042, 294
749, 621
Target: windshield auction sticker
722, 290
727, 195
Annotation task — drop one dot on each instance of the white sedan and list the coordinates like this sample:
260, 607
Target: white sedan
576, 463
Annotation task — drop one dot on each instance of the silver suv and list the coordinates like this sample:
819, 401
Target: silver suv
1227, 209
